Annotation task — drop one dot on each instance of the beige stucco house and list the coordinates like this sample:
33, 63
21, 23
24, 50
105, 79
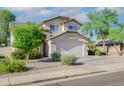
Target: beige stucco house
63, 36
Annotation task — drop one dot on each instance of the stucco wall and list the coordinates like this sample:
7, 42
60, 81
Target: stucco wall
112, 50
69, 36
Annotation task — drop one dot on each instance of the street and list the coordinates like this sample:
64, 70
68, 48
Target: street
112, 79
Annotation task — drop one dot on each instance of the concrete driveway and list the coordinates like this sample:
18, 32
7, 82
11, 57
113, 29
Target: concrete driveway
101, 60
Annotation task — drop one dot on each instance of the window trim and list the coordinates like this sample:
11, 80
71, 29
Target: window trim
55, 28
74, 27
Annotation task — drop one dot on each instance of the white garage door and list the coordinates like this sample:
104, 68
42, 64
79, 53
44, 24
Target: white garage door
70, 47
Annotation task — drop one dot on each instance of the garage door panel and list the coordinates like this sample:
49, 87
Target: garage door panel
69, 47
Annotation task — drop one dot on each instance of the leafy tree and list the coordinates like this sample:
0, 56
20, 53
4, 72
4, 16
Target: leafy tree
101, 22
117, 35
5, 18
27, 37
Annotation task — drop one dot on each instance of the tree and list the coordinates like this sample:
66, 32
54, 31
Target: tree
101, 22
5, 18
27, 37
117, 35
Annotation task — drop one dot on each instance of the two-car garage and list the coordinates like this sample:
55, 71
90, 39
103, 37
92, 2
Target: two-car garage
68, 43
72, 47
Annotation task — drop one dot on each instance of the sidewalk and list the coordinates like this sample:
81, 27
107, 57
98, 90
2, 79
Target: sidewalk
52, 71
20, 80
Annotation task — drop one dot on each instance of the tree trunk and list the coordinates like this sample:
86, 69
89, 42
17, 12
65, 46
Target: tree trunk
27, 58
104, 48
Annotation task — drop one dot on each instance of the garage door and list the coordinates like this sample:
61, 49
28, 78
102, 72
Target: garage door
70, 47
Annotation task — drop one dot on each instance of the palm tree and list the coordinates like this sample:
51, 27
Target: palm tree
101, 22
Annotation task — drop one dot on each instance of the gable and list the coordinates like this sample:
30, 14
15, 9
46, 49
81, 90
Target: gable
72, 21
71, 36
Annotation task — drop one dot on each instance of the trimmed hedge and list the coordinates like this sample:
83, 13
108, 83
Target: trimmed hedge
6, 65
68, 59
20, 54
55, 57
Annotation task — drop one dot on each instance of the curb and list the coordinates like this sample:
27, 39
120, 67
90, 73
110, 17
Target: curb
57, 78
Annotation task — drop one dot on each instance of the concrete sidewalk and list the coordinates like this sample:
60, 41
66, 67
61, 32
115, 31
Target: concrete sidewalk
26, 79
57, 71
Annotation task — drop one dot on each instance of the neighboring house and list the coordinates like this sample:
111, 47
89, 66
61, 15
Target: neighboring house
63, 36
113, 48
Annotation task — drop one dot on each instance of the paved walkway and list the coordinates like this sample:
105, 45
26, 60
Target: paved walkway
42, 70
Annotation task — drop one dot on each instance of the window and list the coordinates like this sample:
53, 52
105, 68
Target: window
72, 27
54, 27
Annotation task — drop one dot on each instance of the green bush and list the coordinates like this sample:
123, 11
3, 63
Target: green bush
55, 57
34, 54
91, 45
68, 59
19, 54
98, 52
3, 41
6, 65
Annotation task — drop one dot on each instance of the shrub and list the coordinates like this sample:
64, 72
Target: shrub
68, 59
19, 54
6, 65
91, 45
55, 57
34, 54
17, 66
98, 52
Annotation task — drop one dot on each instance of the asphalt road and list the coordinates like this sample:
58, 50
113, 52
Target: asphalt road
112, 79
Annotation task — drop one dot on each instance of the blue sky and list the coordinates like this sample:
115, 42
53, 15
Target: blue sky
38, 14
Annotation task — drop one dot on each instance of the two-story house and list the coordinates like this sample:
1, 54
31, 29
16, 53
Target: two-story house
63, 36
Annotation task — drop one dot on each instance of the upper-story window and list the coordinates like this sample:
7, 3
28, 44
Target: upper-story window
54, 27
72, 27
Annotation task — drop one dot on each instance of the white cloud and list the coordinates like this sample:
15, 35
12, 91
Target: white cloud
46, 12
69, 11
29, 13
73, 12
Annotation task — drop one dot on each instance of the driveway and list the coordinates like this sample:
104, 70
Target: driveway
101, 60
